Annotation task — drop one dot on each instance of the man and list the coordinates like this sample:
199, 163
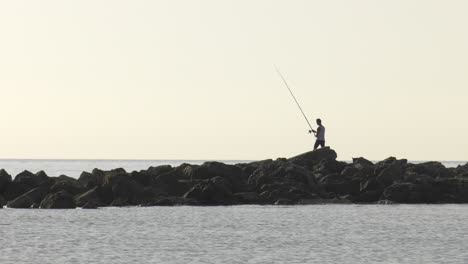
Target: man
319, 134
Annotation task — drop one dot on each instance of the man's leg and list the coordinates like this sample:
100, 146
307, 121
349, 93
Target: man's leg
322, 143
316, 145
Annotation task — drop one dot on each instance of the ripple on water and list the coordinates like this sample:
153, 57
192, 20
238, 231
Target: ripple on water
238, 234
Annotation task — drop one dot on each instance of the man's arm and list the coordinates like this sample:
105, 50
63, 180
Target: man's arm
318, 131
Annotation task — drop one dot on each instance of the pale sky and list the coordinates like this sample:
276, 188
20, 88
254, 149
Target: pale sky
113, 79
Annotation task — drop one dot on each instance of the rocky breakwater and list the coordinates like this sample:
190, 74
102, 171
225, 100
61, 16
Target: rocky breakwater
311, 178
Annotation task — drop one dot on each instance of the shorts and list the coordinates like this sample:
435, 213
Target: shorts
320, 143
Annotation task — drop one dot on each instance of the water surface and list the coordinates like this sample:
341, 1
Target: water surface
238, 234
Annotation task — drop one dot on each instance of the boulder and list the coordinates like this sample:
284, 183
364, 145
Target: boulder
171, 183
337, 184
249, 198
119, 186
215, 191
59, 200
91, 196
14, 190
361, 162
432, 168
312, 158
71, 186
171, 201
26, 200
33, 180
402, 193
208, 170
87, 180
389, 174
452, 190
90, 205
3, 202
5, 180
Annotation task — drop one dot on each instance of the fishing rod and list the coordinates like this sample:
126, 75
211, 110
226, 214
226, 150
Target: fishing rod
294, 97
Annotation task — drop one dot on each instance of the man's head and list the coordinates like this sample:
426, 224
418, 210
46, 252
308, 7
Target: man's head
319, 121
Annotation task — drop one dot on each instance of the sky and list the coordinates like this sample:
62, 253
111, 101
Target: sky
188, 79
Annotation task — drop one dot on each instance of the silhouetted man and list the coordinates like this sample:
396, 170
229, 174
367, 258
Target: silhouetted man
319, 134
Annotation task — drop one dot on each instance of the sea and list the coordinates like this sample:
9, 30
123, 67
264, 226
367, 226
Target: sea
227, 234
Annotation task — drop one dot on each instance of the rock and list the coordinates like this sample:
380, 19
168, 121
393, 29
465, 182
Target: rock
389, 174
3, 202
91, 196
70, 186
216, 191
328, 166
432, 168
87, 180
402, 193
90, 205
249, 198
452, 190
312, 158
119, 203
116, 185
171, 201
232, 173
360, 163
32, 180
14, 190
26, 200
59, 200
367, 196
338, 184
284, 202
5, 180
324, 201
171, 183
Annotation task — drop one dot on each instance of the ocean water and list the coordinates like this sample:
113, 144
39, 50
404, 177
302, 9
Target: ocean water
237, 234
73, 168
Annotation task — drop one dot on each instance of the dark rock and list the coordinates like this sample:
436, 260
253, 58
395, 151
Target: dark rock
3, 202
171, 182
402, 193
389, 174
284, 202
171, 201
119, 203
432, 168
328, 166
312, 158
26, 200
5, 180
367, 196
34, 206
87, 180
216, 191
452, 190
116, 185
360, 163
324, 201
90, 205
208, 170
70, 186
59, 200
249, 198
31, 180
14, 190
91, 196
338, 184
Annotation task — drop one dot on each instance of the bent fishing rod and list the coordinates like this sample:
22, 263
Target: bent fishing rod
295, 100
